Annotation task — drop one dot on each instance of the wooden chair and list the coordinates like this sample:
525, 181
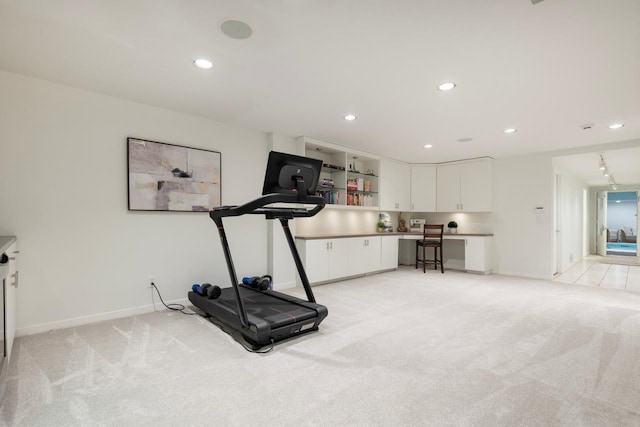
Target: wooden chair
431, 238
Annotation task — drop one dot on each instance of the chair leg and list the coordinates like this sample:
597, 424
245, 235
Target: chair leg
441, 261
424, 264
435, 258
417, 256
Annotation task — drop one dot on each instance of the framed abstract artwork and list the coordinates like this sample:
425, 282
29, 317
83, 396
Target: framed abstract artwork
168, 177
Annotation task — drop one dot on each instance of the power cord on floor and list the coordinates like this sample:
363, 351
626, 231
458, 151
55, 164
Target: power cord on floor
181, 308
172, 306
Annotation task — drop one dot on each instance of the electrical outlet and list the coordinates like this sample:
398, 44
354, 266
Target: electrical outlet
152, 279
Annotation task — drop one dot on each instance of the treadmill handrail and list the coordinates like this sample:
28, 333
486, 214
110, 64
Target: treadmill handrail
257, 206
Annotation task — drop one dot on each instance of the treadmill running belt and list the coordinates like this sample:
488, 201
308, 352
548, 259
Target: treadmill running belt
275, 311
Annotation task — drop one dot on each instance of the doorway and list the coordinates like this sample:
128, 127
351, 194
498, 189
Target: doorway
622, 223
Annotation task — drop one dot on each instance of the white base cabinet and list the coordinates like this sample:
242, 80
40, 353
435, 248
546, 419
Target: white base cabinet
388, 252
364, 254
331, 259
477, 254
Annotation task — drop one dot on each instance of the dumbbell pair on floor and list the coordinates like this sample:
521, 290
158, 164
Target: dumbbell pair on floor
262, 283
213, 291
207, 290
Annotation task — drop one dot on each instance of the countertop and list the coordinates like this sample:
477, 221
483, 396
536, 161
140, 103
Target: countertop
5, 242
395, 233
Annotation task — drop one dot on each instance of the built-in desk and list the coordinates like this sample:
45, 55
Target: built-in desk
461, 251
330, 257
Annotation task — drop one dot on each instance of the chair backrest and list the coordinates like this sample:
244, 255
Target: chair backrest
433, 232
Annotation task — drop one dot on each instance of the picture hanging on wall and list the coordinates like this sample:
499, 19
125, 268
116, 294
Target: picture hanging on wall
167, 177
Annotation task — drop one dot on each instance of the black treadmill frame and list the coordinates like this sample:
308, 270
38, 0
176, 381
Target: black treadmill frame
283, 214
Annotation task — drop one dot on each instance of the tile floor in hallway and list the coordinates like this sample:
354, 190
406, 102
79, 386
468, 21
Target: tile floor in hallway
591, 272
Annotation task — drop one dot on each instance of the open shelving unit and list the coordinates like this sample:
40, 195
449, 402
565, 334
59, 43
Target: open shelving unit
348, 178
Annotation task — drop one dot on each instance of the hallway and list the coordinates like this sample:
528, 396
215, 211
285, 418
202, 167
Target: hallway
591, 271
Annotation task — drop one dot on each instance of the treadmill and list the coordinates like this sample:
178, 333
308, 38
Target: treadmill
262, 317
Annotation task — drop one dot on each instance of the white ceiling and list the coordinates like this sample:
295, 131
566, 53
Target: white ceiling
544, 69
623, 165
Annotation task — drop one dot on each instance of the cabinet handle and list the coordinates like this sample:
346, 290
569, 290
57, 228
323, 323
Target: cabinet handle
12, 258
327, 245
15, 281
331, 245
16, 252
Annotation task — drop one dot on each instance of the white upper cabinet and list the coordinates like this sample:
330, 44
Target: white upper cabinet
395, 186
465, 186
423, 188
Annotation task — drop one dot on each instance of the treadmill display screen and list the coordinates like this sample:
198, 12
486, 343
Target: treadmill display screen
283, 169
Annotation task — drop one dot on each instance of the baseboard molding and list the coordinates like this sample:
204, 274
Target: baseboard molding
285, 285
94, 318
525, 275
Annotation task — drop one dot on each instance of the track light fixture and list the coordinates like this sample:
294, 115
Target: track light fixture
602, 165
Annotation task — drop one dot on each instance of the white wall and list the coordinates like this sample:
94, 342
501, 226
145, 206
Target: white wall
523, 239
63, 188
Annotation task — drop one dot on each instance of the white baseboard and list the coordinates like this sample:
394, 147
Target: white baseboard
94, 318
284, 285
525, 275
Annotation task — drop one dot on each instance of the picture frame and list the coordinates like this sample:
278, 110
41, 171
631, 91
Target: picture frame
169, 177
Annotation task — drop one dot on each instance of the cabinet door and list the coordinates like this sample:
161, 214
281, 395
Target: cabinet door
338, 258
423, 188
403, 187
315, 255
364, 255
357, 263
395, 186
388, 252
372, 253
476, 186
475, 254
386, 185
448, 188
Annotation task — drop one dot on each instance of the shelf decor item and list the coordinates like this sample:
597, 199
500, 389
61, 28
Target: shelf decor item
380, 226
453, 227
167, 177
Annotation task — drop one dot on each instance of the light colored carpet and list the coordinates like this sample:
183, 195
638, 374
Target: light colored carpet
398, 349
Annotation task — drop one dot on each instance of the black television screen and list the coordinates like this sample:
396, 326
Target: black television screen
283, 170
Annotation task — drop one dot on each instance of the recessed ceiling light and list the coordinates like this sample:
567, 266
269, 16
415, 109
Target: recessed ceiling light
617, 201
511, 130
428, 146
616, 126
203, 64
446, 86
350, 117
615, 187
